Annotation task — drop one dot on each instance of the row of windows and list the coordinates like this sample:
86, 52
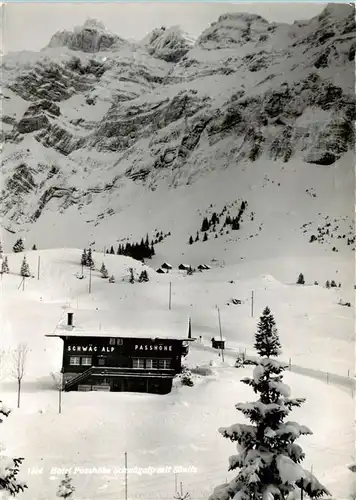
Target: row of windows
151, 364
113, 341
143, 363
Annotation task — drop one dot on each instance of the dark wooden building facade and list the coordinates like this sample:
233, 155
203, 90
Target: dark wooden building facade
114, 363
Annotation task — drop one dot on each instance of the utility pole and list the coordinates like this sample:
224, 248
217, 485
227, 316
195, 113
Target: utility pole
170, 296
222, 350
175, 483
38, 267
125, 475
181, 489
90, 279
60, 388
23, 284
252, 297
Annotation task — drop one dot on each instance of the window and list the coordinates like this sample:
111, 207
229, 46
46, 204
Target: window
86, 360
112, 341
119, 341
158, 364
164, 364
101, 361
74, 360
138, 363
149, 364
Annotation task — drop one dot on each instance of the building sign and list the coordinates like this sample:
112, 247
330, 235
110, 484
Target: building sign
81, 348
151, 347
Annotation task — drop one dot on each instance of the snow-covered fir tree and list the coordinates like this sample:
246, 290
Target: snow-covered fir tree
19, 246
104, 271
132, 276
90, 261
66, 489
300, 280
9, 467
84, 258
112, 279
25, 268
143, 276
5, 266
268, 459
266, 339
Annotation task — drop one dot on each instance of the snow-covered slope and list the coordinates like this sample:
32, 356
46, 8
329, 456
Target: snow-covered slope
104, 141
178, 430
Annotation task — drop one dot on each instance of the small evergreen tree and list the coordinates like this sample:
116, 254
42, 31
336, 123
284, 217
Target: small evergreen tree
112, 251
19, 246
205, 225
332, 284
143, 276
34, 247
104, 271
327, 284
267, 340
25, 268
66, 489
5, 266
112, 279
235, 224
268, 459
1, 250
10, 466
132, 276
205, 237
90, 262
191, 240
84, 258
197, 236
300, 280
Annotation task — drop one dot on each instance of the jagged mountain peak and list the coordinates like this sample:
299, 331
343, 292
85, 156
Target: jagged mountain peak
235, 28
92, 36
337, 11
241, 16
94, 23
169, 44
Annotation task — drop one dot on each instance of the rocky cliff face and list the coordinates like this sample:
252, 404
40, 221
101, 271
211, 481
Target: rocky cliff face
92, 110
91, 37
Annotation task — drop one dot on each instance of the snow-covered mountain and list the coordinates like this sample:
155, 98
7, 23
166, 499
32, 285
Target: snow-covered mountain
105, 139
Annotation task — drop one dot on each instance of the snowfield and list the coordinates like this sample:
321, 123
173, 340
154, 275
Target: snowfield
177, 432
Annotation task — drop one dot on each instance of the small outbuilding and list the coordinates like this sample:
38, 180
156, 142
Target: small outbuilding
166, 266
218, 343
183, 267
160, 271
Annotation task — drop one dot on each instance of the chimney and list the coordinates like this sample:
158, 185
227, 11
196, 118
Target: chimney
70, 319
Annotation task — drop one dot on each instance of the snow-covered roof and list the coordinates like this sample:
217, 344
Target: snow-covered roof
219, 339
129, 323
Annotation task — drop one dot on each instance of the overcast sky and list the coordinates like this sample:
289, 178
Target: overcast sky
29, 26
